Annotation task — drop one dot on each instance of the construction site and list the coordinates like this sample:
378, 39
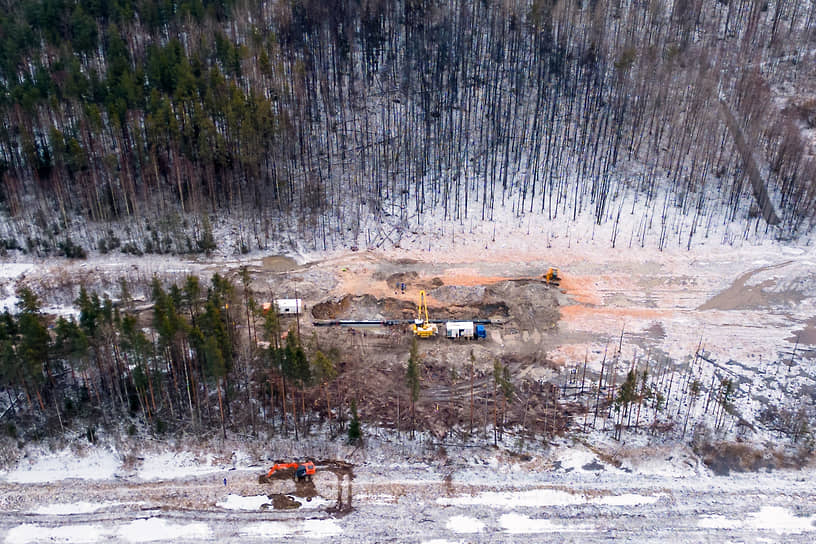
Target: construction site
464, 325
525, 350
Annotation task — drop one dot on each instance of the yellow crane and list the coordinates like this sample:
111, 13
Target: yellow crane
423, 327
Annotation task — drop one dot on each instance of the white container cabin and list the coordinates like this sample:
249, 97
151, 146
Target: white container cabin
459, 329
285, 306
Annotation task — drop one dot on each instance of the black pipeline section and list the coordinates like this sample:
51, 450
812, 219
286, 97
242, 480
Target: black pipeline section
386, 322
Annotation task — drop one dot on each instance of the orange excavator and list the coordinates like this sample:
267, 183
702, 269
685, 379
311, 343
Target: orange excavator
302, 471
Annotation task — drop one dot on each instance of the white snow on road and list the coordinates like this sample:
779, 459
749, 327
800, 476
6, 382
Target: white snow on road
465, 524
142, 530
238, 502
153, 529
627, 499
519, 524
720, 522
67, 509
545, 497
535, 497
768, 518
310, 528
67, 534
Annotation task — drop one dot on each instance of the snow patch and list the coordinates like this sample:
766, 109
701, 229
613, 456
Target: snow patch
508, 499
73, 534
152, 529
238, 502
171, 466
519, 524
11, 271
545, 497
576, 459
310, 528
9, 274
8, 303
465, 524
66, 312
627, 499
97, 464
768, 518
719, 522
67, 509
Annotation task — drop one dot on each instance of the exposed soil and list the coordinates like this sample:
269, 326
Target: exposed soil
396, 280
279, 263
364, 307
284, 502
726, 457
806, 335
534, 327
741, 296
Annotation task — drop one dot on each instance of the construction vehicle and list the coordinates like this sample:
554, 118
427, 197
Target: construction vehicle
552, 277
299, 471
422, 326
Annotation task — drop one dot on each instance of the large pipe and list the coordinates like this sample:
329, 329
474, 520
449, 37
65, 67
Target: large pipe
385, 322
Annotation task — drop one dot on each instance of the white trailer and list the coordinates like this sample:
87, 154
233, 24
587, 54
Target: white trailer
285, 306
459, 329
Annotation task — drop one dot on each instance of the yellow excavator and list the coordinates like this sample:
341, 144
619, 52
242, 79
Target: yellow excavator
552, 277
423, 327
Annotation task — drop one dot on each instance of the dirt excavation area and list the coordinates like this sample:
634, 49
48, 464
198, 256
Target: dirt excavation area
740, 315
741, 304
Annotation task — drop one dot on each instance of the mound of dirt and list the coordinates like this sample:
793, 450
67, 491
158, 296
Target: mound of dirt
370, 307
284, 502
364, 307
331, 308
533, 304
471, 311
279, 263
723, 457
408, 278
459, 294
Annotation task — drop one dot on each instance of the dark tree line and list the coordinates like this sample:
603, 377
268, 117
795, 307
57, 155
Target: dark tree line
204, 356
143, 110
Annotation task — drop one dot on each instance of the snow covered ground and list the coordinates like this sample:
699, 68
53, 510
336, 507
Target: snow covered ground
566, 493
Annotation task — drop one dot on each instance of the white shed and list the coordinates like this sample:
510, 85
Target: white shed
286, 306
459, 329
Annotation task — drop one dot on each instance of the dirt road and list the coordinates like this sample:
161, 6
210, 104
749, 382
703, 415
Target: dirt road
594, 503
